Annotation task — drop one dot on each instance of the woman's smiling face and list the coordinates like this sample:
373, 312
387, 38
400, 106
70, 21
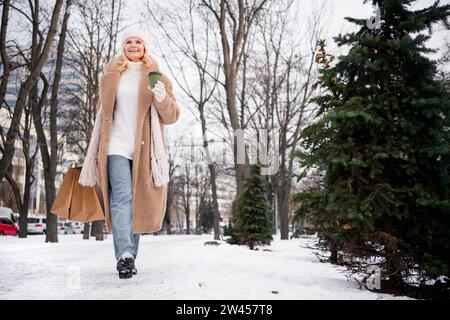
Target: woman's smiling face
134, 49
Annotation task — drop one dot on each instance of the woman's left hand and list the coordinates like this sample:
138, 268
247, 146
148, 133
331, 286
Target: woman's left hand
160, 91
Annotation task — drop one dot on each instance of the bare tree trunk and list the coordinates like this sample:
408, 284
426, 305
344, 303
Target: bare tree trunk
27, 85
186, 194
216, 213
22, 201
49, 158
5, 59
233, 47
197, 212
168, 228
170, 197
283, 207
97, 228
23, 223
334, 254
187, 212
171, 192
86, 231
29, 166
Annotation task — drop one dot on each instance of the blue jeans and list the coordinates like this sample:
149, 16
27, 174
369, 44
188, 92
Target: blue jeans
120, 202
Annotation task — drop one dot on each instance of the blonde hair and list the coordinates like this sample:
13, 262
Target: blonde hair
123, 61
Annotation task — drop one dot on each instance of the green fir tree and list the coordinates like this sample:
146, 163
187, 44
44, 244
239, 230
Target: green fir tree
382, 143
251, 223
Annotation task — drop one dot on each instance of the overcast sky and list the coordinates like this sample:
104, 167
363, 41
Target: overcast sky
334, 21
337, 10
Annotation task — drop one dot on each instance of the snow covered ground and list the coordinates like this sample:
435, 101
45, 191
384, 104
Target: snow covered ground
169, 267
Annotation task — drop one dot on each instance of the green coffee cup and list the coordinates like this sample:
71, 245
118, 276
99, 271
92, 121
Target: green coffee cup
153, 78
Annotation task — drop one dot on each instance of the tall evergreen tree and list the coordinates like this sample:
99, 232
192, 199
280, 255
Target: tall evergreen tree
382, 143
251, 224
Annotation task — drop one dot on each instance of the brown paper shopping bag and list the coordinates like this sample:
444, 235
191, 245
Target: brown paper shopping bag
76, 202
86, 205
63, 199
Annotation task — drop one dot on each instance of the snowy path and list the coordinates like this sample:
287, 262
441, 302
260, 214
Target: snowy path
170, 267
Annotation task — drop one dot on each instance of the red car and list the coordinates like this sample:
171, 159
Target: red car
8, 228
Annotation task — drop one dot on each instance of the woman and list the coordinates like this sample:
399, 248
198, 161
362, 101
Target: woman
127, 153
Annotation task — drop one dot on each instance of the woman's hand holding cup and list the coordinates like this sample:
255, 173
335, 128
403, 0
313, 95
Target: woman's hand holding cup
157, 86
160, 91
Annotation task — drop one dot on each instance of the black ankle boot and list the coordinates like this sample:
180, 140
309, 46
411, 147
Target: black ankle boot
125, 267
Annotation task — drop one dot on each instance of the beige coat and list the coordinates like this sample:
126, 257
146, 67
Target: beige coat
149, 203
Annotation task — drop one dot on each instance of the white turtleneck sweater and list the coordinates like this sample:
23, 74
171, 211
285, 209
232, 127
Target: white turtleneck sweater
123, 131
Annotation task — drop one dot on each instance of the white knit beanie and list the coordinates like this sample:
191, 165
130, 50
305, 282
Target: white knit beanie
134, 32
